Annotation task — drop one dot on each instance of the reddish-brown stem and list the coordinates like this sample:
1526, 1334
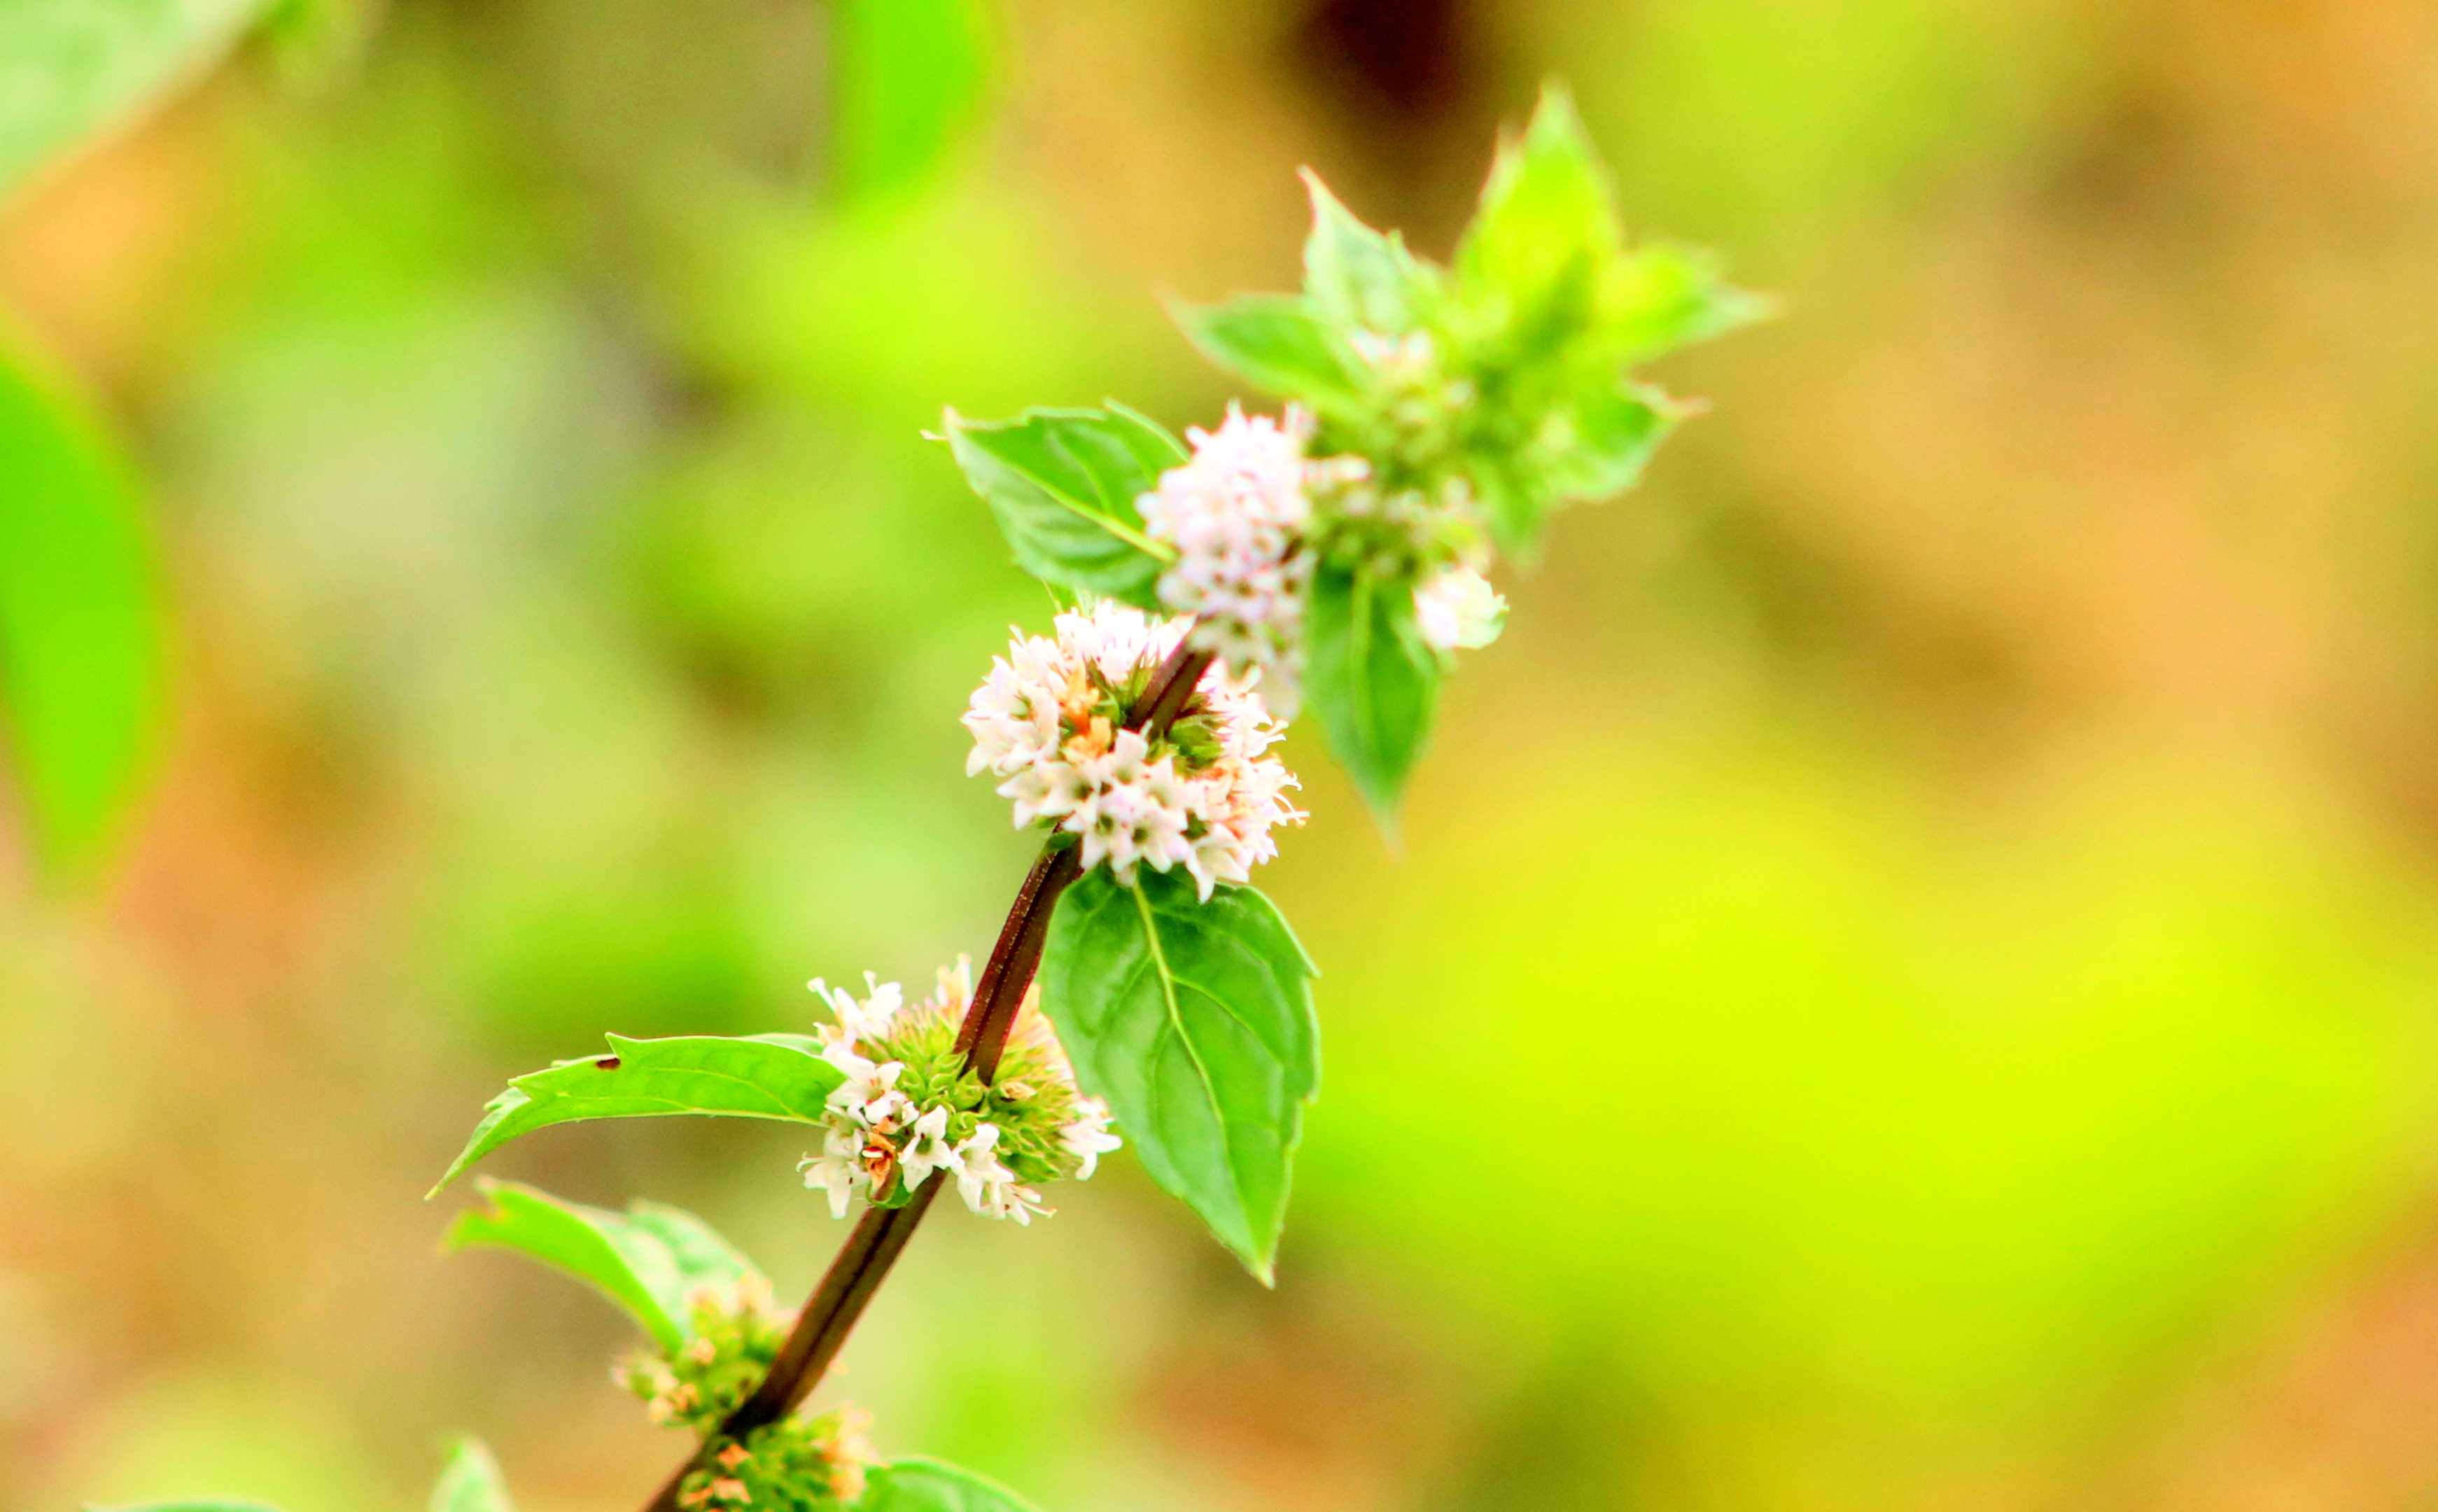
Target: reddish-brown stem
880, 1235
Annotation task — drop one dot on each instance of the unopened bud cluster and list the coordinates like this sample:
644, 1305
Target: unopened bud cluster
734, 1334
910, 1109
1049, 721
794, 1465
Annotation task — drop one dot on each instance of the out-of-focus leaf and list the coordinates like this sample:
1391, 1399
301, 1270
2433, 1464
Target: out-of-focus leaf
759, 1076
1276, 342
1355, 277
908, 75
915, 1483
1545, 230
1194, 1020
1062, 484
1588, 444
71, 68
650, 1259
471, 1482
80, 679
1369, 678
1659, 297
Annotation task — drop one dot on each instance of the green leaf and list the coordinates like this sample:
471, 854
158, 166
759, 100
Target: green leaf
1660, 297
650, 1259
760, 1076
71, 68
1278, 343
1545, 230
915, 1483
909, 76
81, 675
471, 1482
1354, 278
1369, 678
1062, 485
1195, 1021
1610, 436
1590, 447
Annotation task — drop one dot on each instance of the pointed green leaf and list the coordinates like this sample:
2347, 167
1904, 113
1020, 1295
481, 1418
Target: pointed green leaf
1607, 438
760, 1076
1369, 678
1062, 485
1195, 1021
1583, 447
915, 1483
1546, 230
1354, 278
80, 679
650, 1259
1277, 342
471, 1482
1660, 297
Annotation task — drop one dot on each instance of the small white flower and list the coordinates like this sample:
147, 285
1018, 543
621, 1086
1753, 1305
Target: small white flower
1009, 1200
1089, 1138
868, 1096
866, 1020
838, 1168
1457, 607
977, 1167
927, 1149
988, 1187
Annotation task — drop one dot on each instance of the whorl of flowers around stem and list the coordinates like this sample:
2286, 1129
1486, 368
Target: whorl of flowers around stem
1048, 720
794, 1465
1236, 513
911, 1108
737, 1334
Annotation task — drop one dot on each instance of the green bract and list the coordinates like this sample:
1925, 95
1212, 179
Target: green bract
654, 1262
1194, 1022
758, 1076
1030, 1101
794, 1465
1063, 483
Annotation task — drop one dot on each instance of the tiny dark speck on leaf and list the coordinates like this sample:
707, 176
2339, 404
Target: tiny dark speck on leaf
608, 1063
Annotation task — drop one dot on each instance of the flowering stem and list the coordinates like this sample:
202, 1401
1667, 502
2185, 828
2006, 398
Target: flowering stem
880, 1235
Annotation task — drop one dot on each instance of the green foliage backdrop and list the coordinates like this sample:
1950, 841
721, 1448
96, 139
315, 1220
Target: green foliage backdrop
1973, 801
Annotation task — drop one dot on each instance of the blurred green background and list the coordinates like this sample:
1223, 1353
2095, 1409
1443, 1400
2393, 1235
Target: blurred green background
1909, 980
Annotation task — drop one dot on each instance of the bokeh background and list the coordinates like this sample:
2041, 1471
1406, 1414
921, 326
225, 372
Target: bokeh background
1909, 981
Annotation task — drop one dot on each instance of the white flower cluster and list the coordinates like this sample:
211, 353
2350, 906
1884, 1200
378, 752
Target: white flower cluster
876, 1136
1236, 513
1049, 722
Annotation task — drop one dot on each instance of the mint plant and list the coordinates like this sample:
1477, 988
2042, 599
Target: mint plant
1333, 556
